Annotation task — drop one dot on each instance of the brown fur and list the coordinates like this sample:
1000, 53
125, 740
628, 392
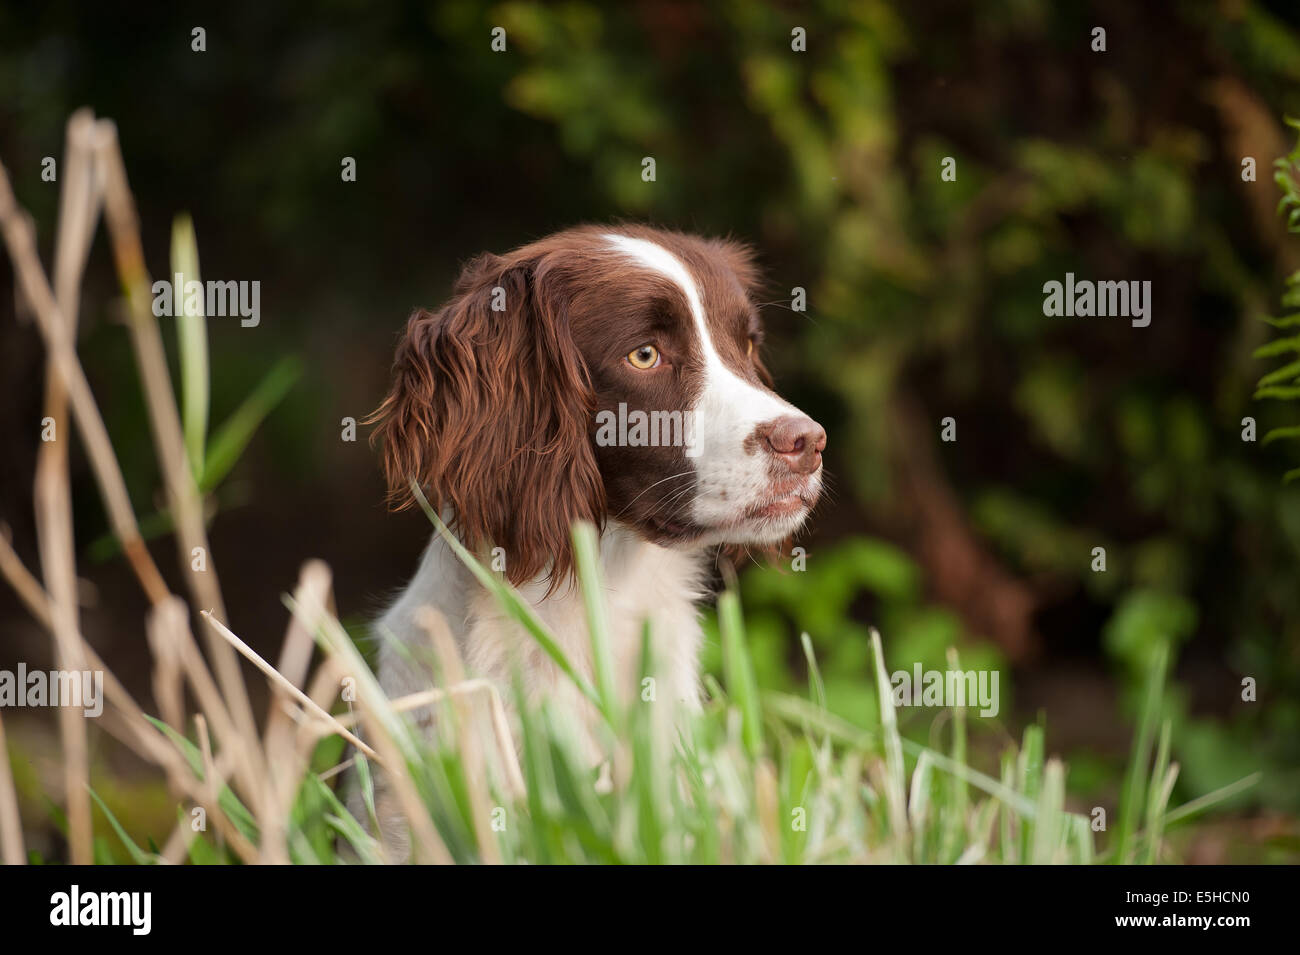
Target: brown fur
489, 411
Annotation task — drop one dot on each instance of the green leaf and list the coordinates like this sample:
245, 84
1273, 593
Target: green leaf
1278, 434
739, 669
202, 852
586, 550
1030, 774
192, 341
367, 782
1286, 394
230, 440
1289, 370
895, 777
1279, 347
1162, 780
343, 822
227, 801
138, 855
1133, 799
1286, 321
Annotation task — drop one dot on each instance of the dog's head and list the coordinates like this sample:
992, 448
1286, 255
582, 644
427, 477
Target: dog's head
605, 374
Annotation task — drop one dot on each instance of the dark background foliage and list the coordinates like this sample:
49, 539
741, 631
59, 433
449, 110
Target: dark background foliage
925, 301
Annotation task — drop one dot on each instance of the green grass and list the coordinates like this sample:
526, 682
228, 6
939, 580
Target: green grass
754, 777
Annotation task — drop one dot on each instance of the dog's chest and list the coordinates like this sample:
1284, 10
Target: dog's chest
643, 582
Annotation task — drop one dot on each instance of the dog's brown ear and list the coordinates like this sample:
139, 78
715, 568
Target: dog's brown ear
490, 411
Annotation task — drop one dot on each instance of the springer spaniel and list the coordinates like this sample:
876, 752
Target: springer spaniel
516, 405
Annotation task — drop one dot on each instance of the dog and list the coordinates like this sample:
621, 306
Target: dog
521, 406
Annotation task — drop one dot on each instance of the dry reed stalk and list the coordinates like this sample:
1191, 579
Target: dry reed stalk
78, 211
323, 688
126, 721
27, 587
466, 689
179, 481
428, 845
284, 684
93, 171
21, 242
57, 558
93, 159
168, 675
170, 628
177, 846
11, 827
250, 768
212, 785
136, 731
285, 761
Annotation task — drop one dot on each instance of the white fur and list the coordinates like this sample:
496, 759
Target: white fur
643, 581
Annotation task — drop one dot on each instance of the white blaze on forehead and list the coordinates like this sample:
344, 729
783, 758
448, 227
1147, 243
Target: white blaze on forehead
729, 408
722, 385
658, 259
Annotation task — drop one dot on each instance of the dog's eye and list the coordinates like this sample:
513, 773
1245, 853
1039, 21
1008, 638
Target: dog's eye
645, 357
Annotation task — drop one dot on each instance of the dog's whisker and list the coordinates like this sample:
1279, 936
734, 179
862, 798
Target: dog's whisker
651, 487
672, 498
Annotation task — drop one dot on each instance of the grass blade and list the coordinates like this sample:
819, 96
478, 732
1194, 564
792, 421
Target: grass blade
739, 670
192, 342
1133, 799
138, 855
895, 778
230, 440
586, 552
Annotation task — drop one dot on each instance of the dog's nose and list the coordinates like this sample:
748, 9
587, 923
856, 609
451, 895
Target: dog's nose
798, 440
